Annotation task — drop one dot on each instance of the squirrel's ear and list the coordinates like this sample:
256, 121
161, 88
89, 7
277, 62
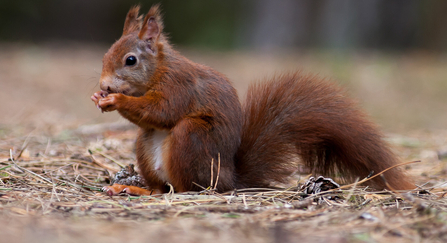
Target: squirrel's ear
133, 21
152, 25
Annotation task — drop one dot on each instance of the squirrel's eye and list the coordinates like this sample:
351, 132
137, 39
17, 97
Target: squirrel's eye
131, 60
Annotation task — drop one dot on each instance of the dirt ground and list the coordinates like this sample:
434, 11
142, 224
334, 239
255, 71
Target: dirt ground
64, 150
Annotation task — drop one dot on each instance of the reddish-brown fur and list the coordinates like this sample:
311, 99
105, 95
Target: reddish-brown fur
189, 115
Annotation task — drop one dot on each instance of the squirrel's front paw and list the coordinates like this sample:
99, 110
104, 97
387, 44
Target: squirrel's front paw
97, 96
109, 103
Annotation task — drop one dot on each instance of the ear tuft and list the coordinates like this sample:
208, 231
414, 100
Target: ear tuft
133, 21
152, 25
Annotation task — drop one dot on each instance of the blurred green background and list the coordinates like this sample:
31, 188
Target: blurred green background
389, 54
391, 24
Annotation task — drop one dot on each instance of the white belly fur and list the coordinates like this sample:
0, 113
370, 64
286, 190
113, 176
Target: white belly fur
158, 145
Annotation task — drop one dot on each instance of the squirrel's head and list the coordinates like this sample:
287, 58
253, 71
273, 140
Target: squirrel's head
131, 61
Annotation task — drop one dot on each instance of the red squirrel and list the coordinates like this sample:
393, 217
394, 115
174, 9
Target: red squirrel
190, 115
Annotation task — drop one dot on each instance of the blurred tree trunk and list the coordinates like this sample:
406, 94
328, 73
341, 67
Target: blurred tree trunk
271, 24
329, 23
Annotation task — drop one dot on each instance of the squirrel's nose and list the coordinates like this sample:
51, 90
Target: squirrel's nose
104, 83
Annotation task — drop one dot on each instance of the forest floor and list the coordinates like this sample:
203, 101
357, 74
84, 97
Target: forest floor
57, 151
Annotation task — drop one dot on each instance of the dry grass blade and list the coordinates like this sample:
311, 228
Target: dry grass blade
378, 174
112, 159
212, 171
105, 166
218, 171
28, 171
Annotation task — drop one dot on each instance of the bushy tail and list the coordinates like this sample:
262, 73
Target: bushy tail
294, 116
